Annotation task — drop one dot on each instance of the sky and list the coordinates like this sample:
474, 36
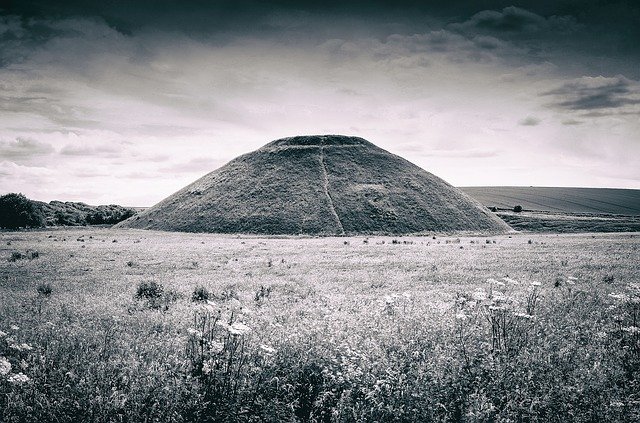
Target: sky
125, 102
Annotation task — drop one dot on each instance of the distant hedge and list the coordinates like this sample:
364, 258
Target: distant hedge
17, 211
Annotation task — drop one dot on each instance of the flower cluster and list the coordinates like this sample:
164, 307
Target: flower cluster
13, 355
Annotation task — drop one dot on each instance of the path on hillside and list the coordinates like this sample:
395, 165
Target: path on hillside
325, 184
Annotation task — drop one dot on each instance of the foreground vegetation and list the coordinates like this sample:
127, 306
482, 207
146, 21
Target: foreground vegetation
106, 325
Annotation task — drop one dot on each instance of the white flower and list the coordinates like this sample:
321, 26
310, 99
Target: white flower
461, 315
618, 296
5, 366
238, 329
632, 329
216, 347
536, 283
523, 315
509, 280
224, 325
406, 295
18, 379
25, 347
491, 280
210, 306
267, 349
24, 365
499, 296
195, 333
479, 295
14, 327
388, 299
2, 334
206, 367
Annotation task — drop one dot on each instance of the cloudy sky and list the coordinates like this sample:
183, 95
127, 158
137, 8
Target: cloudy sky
128, 101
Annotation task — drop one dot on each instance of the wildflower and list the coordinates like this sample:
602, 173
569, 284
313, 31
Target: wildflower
206, 367
617, 404
238, 329
195, 333
267, 349
14, 327
523, 315
632, 329
18, 378
234, 304
24, 365
216, 347
461, 316
621, 297
25, 347
536, 283
388, 299
499, 296
492, 281
406, 295
5, 366
479, 296
509, 280
210, 306
224, 325
2, 334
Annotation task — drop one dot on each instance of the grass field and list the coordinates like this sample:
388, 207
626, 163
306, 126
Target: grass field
507, 328
559, 199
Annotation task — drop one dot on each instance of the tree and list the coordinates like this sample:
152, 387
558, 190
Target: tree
517, 209
17, 211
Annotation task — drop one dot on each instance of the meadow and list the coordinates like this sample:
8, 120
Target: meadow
108, 325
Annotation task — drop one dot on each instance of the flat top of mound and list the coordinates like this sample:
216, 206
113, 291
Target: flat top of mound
320, 141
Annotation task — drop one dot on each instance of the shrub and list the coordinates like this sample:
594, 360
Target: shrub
17, 211
517, 209
200, 294
45, 289
149, 290
155, 296
16, 255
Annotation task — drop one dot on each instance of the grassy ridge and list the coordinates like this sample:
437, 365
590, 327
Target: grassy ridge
557, 199
339, 329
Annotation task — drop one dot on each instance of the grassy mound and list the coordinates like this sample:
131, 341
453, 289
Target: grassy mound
319, 185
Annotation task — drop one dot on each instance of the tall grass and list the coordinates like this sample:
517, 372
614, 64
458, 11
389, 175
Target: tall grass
539, 354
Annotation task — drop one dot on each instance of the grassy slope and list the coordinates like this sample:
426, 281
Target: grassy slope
107, 360
569, 200
280, 189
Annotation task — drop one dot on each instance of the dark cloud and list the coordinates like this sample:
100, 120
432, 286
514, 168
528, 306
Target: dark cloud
515, 20
595, 95
24, 149
530, 121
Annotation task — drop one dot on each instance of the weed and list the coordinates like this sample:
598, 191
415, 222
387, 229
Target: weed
16, 255
262, 294
200, 294
45, 289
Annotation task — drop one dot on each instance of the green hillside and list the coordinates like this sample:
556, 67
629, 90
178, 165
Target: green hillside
319, 185
557, 199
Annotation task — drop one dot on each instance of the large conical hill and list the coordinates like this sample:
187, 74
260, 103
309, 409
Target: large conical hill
319, 185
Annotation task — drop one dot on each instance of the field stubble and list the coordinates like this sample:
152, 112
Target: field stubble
509, 328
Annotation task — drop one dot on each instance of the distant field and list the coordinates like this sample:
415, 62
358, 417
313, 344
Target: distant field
516, 327
568, 200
